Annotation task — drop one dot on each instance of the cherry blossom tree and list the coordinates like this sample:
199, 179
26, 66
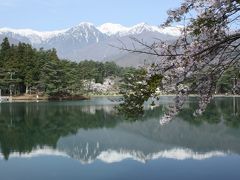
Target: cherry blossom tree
208, 47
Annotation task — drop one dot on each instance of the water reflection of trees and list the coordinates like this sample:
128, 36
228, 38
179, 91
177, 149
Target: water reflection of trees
24, 126
220, 110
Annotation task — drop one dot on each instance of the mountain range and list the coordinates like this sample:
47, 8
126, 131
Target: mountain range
86, 41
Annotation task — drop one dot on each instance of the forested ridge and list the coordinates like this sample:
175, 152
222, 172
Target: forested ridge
24, 69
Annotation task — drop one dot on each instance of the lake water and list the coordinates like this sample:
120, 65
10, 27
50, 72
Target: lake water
88, 140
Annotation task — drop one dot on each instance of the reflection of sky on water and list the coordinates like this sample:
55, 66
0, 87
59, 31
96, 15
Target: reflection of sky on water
92, 109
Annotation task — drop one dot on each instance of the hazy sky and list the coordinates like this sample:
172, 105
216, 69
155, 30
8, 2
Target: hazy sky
60, 14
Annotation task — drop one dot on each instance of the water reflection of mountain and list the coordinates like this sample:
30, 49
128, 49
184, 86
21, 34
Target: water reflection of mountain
144, 140
88, 132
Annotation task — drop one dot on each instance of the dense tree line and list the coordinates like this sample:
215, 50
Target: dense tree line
24, 69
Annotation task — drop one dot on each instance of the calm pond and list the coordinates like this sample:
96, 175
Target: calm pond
88, 140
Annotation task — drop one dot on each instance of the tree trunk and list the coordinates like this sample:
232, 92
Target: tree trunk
26, 89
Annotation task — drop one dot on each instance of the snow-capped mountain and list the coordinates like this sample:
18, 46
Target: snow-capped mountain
74, 39
117, 29
112, 29
79, 42
84, 32
35, 37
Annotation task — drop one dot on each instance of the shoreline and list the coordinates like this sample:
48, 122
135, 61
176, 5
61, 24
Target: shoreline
34, 98
195, 95
110, 95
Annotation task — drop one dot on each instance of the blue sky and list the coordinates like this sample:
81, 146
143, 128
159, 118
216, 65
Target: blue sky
60, 14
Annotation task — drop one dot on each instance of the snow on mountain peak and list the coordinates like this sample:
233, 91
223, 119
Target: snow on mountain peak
34, 36
86, 24
144, 27
141, 27
85, 31
170, 30
49, 34
83, 27
88, 30
112, 29
117, 29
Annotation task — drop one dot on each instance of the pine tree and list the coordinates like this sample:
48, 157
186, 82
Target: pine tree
51, 78
4, 51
